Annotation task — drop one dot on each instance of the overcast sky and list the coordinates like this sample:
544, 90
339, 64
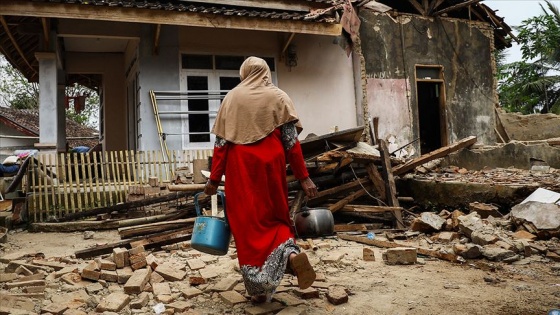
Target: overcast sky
515, 11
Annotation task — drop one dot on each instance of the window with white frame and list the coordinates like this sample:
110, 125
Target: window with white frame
207, 79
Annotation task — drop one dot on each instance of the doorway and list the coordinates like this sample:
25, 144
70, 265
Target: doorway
430, 96
429, 116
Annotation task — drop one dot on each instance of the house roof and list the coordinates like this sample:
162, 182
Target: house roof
24, 20
27, 122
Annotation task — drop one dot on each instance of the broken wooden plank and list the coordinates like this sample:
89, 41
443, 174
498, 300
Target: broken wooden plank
441, 152
370, 209
341, 203
340, 189
73, 226
378, 183
124, 206
154, 241
387, 244
151, 228
296, 204
190, 187
357, 227
390, 187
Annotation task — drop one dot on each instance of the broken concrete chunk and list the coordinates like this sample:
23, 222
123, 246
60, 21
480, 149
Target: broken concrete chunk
337, 295
137, 281
114, 302
484, 237
141, 301
495, 253
232, 298
427, 222
544, 196
524, 235
468, 251
447, 237
368, 254
469, 223
400, 256
170, 273
544, 216
484, 210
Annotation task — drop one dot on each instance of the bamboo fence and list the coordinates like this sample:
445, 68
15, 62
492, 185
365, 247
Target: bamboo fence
64, 183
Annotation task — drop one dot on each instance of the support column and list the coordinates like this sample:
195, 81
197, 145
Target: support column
49, 109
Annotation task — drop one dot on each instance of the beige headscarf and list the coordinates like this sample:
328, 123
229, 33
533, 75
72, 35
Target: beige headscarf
255, 107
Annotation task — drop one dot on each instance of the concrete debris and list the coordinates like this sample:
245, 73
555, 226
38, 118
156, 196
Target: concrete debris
427, 222
543, 216
469, 223
484, 210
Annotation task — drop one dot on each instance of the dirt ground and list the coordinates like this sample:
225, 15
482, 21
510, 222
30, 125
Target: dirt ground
429, 287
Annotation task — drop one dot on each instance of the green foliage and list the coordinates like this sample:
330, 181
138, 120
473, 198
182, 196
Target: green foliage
17, 92
532, 85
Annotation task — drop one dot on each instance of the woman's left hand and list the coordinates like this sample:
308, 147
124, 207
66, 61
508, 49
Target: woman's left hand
308, 187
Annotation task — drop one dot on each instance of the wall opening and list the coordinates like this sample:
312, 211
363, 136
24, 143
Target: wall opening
430, 96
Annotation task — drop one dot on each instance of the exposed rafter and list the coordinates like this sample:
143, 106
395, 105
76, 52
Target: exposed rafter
456, 7
15, 43
46, 30
434, 5
164, 17
156, 39
417, 6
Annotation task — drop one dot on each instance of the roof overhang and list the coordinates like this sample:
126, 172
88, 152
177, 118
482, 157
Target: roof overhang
164, 17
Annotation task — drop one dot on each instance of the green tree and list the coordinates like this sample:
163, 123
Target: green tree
532, 85
17, 92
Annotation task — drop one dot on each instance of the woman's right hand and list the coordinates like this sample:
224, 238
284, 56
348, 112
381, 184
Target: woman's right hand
211, 187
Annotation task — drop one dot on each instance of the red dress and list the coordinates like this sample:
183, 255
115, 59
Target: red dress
257, 193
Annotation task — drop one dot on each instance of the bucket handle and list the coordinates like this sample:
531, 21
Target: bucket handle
197, 205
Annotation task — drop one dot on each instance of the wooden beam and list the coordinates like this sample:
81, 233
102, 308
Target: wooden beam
190, 187
498, 22
14, 42
369, 209
151, 228
426, 6
387, 244
296, 205
456, 7
434, 5
441, 152
275, 5
164, 17
46, 31
417, 6
124, 206
152, 242
339, 189
341, 203
287, 44
377, 180
390, 188
357, 227
156, 39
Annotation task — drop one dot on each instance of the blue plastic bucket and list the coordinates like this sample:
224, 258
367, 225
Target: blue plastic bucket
210, 234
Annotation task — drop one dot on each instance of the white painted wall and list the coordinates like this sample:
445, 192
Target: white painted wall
321, 85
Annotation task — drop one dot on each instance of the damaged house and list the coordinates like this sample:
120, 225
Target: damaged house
417, 69
418, 74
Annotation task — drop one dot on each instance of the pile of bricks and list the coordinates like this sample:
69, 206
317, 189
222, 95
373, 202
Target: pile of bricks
178, 280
